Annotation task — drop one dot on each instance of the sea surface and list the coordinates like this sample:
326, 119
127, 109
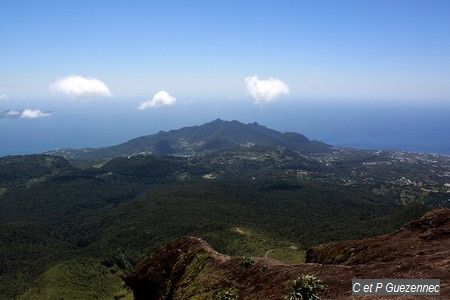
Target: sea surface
417, 126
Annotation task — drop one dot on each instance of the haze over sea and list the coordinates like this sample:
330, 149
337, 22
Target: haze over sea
411, 126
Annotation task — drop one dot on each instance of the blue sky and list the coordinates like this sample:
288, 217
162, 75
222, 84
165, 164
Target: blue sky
395, 50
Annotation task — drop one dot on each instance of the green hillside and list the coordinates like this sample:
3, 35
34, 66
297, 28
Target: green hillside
78, 279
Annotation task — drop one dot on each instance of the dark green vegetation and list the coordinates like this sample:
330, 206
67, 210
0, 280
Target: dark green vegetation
31, 167
247, 262
58, 221
306, 287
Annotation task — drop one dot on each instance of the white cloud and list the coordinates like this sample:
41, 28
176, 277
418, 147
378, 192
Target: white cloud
265, 90
80, 87
161, 98
34, 113
25, 114
3, 97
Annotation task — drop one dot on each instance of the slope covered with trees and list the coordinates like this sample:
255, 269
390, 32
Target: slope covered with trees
115, 213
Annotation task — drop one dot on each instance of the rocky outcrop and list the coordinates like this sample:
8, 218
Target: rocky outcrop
427, 238
190, 269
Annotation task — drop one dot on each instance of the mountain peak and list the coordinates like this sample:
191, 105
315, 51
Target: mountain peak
218, 120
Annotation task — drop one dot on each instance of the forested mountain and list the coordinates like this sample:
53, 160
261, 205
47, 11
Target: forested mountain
211, 137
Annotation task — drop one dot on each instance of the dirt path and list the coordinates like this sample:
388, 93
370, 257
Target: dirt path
268, 252
240, 231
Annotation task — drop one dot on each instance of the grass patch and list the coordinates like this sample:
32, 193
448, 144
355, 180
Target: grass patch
78, 279
288, 255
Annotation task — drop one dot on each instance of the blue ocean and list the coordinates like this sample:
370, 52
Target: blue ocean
416, 127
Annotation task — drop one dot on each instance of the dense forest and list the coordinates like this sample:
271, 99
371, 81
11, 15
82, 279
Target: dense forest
57, 220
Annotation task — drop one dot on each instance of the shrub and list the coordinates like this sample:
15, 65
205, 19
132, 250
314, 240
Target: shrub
228, 294
306, 287
247, 262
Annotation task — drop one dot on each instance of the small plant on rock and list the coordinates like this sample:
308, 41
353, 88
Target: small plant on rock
228, 294
306, 287
247, 262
